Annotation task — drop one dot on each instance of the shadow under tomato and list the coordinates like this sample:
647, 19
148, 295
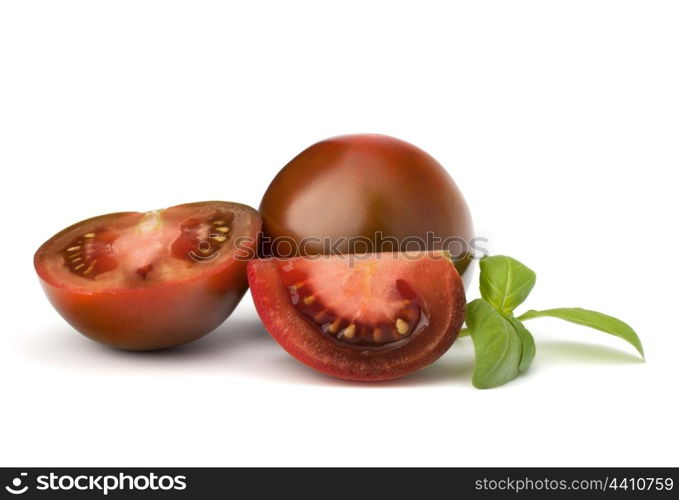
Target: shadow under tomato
64, 346
232, 335
241, 347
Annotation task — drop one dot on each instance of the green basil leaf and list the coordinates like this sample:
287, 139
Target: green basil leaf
505, 282
527, 343
497, 346
593, 319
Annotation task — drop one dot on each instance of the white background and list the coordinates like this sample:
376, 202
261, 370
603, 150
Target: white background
558, 120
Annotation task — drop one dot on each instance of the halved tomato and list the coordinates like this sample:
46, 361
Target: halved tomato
357, 317
143, 281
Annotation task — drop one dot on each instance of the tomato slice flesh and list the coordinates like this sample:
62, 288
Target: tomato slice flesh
139, 249
201, 239
363, 306
90, 254
430, 279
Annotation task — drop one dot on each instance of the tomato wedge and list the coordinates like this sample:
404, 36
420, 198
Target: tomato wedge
143, 281
355, 317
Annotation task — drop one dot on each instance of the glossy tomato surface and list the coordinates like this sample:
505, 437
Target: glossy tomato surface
364, 193
143, 281
375, 317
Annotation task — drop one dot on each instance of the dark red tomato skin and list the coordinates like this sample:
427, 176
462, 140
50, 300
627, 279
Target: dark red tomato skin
358, 185
156, 317
153, 318
445, 301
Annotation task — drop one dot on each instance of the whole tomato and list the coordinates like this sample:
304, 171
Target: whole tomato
365, 193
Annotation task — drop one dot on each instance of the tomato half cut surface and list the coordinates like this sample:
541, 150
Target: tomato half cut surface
373, 317
143, 281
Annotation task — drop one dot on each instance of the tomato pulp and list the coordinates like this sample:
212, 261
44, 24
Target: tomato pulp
143, 281
369, 317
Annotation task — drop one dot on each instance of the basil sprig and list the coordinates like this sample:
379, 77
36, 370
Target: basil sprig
503, 346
